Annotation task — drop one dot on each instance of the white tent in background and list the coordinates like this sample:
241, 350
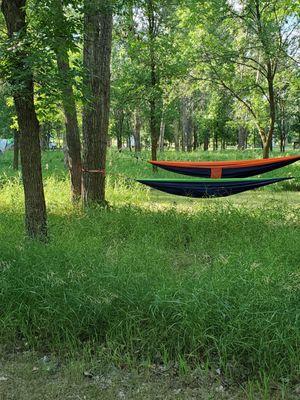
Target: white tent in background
5, 144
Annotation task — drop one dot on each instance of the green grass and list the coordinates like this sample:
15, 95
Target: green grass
156, 278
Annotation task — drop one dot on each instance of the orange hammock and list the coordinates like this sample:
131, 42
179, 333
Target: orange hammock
226, 169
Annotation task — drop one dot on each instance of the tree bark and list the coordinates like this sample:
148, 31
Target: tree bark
196, 139
272, 102
71, 123
266, 148
119, 143
215, 141
242, 137
68, 103
206, 141
45, 136
162, 135
96, 61
190, 135
155, 92
282, 124
119, 123
187, 123
16, 150
176, 134
137, 131
23, 94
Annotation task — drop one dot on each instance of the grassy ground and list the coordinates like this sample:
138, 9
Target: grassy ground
155, 280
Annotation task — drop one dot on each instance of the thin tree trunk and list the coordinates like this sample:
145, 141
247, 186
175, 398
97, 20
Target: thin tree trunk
187, 122
183, 140
184, 117
119, 115
16, 150
96, 61
267, 143
45, 136
137, 132
71, 123
242, 137
189, 146
154, 131
65, 150
154, 100
196, 140
129, 143
176, 134
69, 104
162, 135
206, 141
119, 143
282, 131
30, 150
215, 141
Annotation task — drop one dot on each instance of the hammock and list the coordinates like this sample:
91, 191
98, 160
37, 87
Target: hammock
207, 187
226, 169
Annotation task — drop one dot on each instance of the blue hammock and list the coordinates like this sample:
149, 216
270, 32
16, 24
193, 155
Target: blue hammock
207, 187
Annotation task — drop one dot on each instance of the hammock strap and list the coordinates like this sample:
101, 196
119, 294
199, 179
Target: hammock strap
95, 171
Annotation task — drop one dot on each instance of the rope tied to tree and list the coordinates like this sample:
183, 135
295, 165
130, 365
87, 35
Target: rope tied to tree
96, 171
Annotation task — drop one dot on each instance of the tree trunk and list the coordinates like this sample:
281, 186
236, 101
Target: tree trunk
119, 116
176, 134
215, 142
65, 150
187, 122
137, 132
96, 62
45, 136
30, 150
267, 143
266, 150
183, 140
196, 141
189, 146
71, 123
16, 150
162, 135
183, 110
69, 104
242, 137
155, 95
206, 141
282, 134
119, 143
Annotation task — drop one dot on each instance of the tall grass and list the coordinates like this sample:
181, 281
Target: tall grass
214, 282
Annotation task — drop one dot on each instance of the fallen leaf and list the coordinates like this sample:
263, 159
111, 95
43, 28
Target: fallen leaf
88, 374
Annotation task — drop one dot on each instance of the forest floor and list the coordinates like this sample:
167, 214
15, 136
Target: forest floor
30, 376
156, 297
